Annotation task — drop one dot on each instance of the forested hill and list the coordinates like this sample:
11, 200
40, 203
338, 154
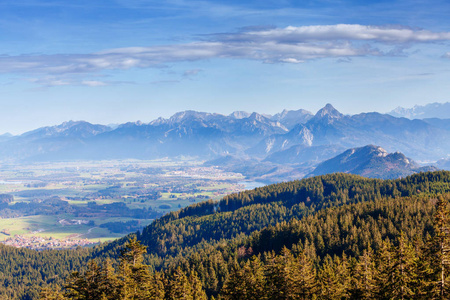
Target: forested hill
243, 213
331, 237
325, 215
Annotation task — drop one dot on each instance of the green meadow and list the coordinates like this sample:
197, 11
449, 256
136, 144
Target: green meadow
44, 194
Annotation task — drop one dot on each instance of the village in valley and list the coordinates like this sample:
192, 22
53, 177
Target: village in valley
67, 205
45, 243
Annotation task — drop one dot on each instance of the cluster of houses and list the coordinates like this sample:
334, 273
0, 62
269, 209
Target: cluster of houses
43, 243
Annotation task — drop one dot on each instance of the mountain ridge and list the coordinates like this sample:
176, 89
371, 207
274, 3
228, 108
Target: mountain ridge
370, 161
431, 110
210, 135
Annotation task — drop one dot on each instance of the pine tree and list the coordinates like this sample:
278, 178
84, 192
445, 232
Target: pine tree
133, 252
198, 293
275, 272
438, 249
133, 274
84, 286
48, 293
108, 281
383, 278
329, 281
398, 276
246, 282
426, 274
404, 270
233, 288
289, 277
302, 277
178, 286
364, 274
155, 286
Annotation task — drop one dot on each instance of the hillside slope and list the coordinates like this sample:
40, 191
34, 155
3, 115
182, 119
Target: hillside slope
206, 237
370, 161
336, 236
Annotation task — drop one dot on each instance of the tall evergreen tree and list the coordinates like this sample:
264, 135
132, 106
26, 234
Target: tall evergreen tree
85, 286
155, 286
134, 275
364, 274
108, 281
304, 277
329, 282
47, 293
438, 250
178, 286
384, 264
404, 270
245, 283
198, 293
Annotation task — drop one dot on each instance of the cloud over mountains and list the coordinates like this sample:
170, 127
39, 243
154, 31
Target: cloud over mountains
274, 45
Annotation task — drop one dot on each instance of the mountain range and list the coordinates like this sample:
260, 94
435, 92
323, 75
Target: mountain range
286, 141
432, 110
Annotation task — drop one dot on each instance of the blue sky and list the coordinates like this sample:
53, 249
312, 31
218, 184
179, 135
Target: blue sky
128, 60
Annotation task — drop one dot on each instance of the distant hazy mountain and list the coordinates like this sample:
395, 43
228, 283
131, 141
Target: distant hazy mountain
239, 114
432, 110
71, 129
187, 133
290, 118
439, 123
415, 138
299, 135
261, 171
328, 114
443, 164
5, 136
370, 161
287, 118
299, 154
274, 139
52, 142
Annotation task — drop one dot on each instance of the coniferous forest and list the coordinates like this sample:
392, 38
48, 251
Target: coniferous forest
335, 236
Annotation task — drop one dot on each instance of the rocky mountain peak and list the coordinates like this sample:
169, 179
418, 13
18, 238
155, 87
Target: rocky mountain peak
158, 121
290, 118
431, 110
257, 117
239, 114
369, 161
184, 115
329, 112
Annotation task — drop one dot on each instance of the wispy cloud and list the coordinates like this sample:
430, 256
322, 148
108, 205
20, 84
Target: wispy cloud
273, 45
158, 82
348, 32
191, 73
53, 81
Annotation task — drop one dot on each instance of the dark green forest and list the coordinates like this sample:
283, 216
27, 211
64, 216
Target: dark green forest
335, 236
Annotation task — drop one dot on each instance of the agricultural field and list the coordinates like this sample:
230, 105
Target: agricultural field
92, 202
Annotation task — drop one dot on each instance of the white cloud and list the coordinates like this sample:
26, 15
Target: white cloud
274, 45
93, 83
46, 81
291, 60
349, 32
53, 81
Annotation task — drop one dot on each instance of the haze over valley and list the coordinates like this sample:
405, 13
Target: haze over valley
291, 141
